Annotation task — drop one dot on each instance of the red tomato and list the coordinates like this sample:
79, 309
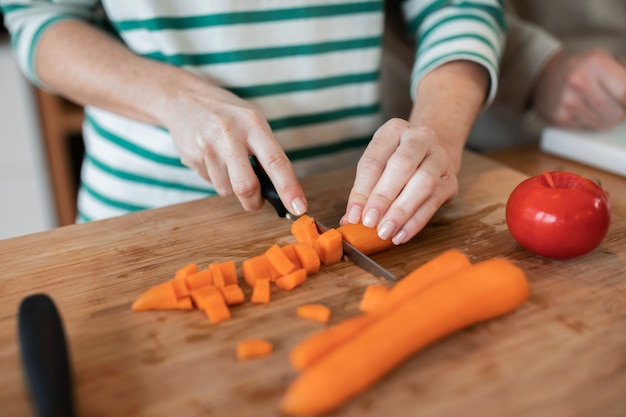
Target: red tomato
558, 214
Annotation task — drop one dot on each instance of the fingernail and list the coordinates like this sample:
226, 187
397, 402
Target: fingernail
298, 206
399, 238
354, 215
386, 230
371, 218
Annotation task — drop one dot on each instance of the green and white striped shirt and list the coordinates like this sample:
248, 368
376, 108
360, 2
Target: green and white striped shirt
312, 68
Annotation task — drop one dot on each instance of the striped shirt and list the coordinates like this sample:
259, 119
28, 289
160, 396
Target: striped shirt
312, 69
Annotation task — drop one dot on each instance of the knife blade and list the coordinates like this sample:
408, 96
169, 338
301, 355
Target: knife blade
269, 193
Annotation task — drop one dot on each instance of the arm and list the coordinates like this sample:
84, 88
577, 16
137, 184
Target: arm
75, 59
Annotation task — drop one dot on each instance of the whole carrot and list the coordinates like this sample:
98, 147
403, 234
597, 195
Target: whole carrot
483, 291
438, 268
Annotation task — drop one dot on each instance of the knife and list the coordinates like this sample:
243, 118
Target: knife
44, 356
269, 193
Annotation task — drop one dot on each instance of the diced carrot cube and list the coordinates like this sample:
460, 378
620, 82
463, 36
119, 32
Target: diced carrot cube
185, 303
292, 280
253, 348
180, 288
309, 259
290, 251
201, 295
304, 229
329, 247
229, 272
186, 270
199, 279
255, 268
233, 294
216, 309
279, 261
160, 297
315, 312
261, 292
372, 296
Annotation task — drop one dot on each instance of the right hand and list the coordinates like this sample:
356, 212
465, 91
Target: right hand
215, 132
584, 90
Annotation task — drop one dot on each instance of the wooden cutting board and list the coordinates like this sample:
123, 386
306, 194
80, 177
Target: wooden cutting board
562, 354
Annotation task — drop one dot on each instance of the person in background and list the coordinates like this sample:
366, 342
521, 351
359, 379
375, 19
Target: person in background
179, 94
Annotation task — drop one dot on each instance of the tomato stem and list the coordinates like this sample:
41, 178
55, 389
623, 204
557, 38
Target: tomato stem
548, 179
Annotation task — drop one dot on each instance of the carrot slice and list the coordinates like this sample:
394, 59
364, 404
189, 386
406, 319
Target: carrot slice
483, 291
308, 257
315, 312
255, 268
229, 272
261, 292
218, 277
216, 309
290, 252
200, 296
253, 348
304, 229
184, 304
279, 261
319, 344
160, 297
186, 270
233, 294
364, 238
180, 288
292, 280
199, 279
372, 297
329, 247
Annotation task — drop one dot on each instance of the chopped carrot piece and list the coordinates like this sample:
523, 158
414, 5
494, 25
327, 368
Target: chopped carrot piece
308, 257
279, 261
372, 297
364, 238
304, 229
216, 309
253, 348
290, 251
255, 268
261, 292
218, 278
160, 297
229, 272
329, 247
233, 294
292, 280
180, 288
315, 312
186, 270
185, 303
199, 279
201, 295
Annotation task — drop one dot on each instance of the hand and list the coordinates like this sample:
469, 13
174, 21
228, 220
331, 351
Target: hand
215, 132
582, 90
402, 179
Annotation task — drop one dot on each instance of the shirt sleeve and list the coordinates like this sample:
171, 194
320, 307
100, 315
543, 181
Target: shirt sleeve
28, 20
450, 30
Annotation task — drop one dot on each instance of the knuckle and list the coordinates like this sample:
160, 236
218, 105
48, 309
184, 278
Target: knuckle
244, 188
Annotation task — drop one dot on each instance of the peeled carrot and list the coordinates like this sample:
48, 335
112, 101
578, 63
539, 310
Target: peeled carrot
216, 309
184, 303
160, 297
304, 229
255, 268
372, 297
216, 274
319, 344
291, 280
483, 291
253, 348
315, 312
261, 292
364, 238
290, 252
233, 294
180, 288
229, 272
199, 279
329, 247
186, 270
279, 261
200, 296
308, 257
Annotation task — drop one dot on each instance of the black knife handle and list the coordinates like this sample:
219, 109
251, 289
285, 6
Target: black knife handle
268, 191
45, 357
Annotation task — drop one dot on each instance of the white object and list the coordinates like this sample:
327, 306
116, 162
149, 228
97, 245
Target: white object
604, 150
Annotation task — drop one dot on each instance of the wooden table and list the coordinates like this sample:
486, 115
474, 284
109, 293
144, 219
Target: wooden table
562, 354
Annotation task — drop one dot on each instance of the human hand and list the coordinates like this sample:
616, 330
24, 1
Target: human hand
215, 132
582, 90
402, 179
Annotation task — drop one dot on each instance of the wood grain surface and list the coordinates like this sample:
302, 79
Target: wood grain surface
562, 354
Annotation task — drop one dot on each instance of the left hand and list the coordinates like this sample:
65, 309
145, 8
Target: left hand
402, 179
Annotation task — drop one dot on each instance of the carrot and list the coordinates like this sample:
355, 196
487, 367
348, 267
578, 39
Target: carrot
218, 277
315, 312
199, 279
160, 297
255, 268
304, 229
290, 252
483, 291
372, 297
279, 261
216, 309
233, 294
329, 247
364, 238
253, 348
180, 288
261, 292
186, 270
184, 304
314, 347
229, 272
200, 296
308, 257
292, 280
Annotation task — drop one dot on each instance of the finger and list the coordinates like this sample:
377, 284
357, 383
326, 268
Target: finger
575, 112
218, 174
614, 80
602, 110
243, 181
371, 167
